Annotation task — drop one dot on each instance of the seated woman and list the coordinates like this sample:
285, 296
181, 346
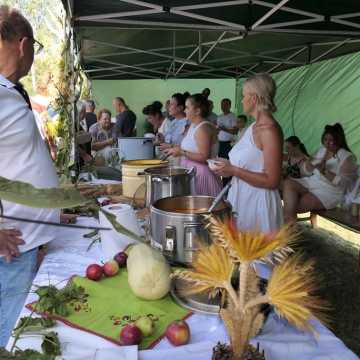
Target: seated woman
295, 157
331, 172
199, 145
103, 134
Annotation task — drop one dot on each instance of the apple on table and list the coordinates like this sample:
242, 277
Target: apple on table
178, 333
111, 268
94, 272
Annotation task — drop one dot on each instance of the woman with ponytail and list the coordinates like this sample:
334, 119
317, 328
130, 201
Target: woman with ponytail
331, 173
199, 144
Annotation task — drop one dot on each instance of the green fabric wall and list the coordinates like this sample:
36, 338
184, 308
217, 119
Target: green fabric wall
323, 93
139, 93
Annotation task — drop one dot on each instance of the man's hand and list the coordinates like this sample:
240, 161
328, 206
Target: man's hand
10, 239
111, 141
165, 146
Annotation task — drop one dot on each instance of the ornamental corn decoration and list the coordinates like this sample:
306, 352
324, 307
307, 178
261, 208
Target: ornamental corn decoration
290, 289
212, 270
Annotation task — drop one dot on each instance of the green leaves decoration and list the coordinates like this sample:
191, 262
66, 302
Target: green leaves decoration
25, 194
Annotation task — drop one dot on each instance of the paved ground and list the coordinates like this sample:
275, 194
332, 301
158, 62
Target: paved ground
336, 251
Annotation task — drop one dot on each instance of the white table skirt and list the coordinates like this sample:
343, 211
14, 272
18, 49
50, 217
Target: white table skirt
68, 256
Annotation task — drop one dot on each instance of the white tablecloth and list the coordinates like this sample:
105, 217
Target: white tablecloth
68, 256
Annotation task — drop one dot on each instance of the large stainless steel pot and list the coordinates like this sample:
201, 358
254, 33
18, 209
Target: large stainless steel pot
177, 225
135, 148
167, 181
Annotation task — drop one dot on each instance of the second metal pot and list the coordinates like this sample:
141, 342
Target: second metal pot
167, 181
177, 225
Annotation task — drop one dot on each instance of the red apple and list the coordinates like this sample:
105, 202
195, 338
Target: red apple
130, 335
178, 333
111, 268
94, 272
121, 258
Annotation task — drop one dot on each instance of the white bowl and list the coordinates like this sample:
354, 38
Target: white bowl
213, 164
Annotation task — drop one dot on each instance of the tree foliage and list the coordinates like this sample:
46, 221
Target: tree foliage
47, 19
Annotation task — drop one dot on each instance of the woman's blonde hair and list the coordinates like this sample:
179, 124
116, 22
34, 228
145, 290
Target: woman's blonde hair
264, 87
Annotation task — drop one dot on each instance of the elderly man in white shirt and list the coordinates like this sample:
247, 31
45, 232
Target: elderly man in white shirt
24, 157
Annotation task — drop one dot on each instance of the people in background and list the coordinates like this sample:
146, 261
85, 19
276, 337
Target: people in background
82, 137
199, 144
90, 116
148, 127
206, 93
212, 117
125, 118
241, 123
103, 133
166, 113
24, 157
156, 118
226, 123
331, 172
176, 131
255, 161
295, 157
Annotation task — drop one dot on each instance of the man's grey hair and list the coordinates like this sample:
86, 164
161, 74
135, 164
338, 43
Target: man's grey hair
13, 24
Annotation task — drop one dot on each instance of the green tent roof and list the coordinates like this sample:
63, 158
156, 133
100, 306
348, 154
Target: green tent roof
209, 39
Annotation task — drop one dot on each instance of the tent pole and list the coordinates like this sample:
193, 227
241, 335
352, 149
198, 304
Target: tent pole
201, 59
330, 50
268, 14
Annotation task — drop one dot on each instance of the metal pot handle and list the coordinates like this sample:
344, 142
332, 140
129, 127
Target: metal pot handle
192, 171
156, 179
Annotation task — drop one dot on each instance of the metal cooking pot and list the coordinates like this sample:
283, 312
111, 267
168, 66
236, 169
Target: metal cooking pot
134, 148
168, 181
177, 225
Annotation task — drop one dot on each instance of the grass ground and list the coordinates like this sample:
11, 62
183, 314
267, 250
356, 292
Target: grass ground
336, 251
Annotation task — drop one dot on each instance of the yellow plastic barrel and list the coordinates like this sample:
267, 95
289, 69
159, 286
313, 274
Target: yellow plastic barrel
133, 174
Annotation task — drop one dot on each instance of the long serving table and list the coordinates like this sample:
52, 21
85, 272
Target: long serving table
68, 256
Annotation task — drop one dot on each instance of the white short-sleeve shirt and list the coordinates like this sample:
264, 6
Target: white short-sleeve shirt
229, 121
25, 157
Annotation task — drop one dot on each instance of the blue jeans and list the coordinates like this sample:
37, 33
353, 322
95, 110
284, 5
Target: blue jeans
15, 281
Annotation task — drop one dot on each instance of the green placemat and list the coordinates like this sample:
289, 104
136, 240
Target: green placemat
110, 299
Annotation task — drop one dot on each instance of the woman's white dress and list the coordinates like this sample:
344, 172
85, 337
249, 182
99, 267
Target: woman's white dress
257, 209
331, 193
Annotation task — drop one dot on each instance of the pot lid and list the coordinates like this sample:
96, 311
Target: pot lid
167, 171
145, 162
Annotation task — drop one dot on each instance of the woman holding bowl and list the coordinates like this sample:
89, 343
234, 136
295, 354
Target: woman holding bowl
255, 162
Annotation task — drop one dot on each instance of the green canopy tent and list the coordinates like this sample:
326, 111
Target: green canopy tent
131, 39
193, 39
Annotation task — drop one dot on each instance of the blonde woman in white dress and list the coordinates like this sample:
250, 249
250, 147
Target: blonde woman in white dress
255, 161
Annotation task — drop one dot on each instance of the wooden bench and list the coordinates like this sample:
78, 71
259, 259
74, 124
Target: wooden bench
338, 216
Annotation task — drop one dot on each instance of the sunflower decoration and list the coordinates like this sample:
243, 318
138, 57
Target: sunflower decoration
290, 289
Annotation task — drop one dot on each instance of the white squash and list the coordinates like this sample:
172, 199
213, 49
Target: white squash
148, 273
